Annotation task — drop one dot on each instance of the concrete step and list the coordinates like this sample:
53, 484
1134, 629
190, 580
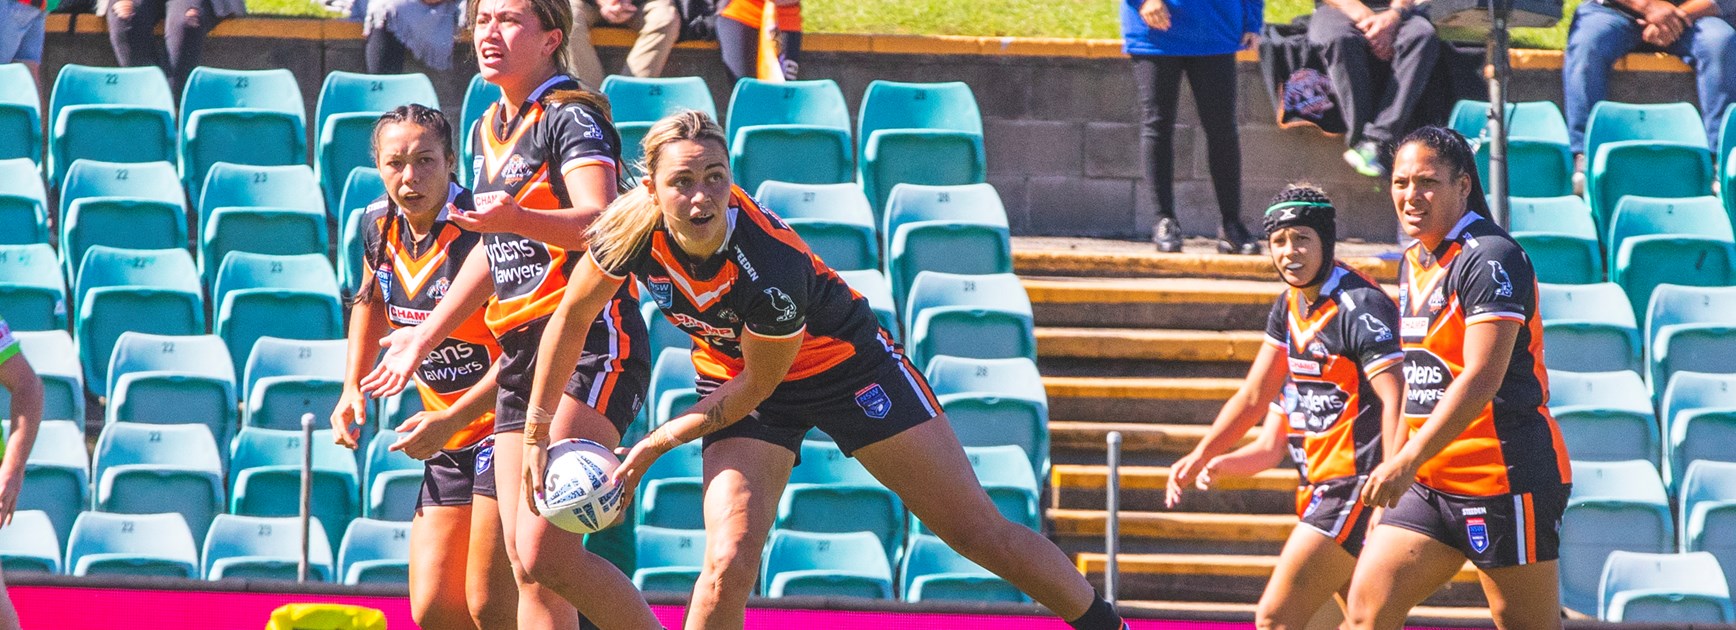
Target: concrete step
1172, 303
1073, 351
1083, 486
1173, 440
1082, 531
1150, 399
1228, 578
1149, 264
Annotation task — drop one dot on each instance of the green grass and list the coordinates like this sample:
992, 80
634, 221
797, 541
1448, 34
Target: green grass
1094, 19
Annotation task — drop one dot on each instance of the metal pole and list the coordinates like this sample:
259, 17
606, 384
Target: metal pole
301, 568
1496, 71
1112, 520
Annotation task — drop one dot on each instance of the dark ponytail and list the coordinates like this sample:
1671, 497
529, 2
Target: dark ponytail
1451, 148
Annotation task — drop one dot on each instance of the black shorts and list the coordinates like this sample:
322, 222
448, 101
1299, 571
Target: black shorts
1493, 532
856, 412
611, 377
1334, 508
452, 477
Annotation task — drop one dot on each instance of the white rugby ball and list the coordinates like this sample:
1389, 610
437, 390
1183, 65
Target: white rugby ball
577, 494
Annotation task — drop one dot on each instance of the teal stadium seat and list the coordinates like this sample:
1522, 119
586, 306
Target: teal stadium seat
917, 133
132, 290
794, 131
1534, 119
132, 544
55, 361
152, 469
1700, 400
349, 106
831, 565
396, 409
250, 117
670, 494
833, 219
57, 475
393, 483
361, 188
932, 571
637, 103
477, 98
1589, 328
1615, 506
130, 206
264, 547
375, 552
871, 284
954, 229
23, 200
1605, 416
91, 108
265, 477
672, 375
831, 493
285, 378
1560, 236
1005, 474
29, 544
664, 334
669, 559
1689, 329
1658, 241
1727, 169
32, 290
977, 317
259, 209
163, 379
288, 297
1538, 160
1707, 497
994, 402
20, 114
1653, 150
1664, 588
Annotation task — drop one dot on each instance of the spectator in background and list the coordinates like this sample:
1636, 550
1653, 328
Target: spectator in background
657, 21
1168, 39
21, 31
1359, 38
1603, 31
738, 27
425, 28
131, 26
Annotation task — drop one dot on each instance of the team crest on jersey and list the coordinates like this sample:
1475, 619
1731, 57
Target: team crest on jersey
729, 315
438, 291
485, 455
874, 401
1477, 532
1503, 284
1378, 328
1438, 300
515, 171
781, 301
1317, 349
662, 291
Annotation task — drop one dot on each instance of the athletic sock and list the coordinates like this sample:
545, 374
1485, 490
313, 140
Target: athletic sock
1100, 616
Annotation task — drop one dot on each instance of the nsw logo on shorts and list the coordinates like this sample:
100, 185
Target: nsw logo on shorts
485, 455
1478, 534
874, 401
1314, 503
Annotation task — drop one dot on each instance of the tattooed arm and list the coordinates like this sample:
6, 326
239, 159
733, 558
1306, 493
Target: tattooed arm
765, 363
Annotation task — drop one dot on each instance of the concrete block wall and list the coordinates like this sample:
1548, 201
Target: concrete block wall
1061, 131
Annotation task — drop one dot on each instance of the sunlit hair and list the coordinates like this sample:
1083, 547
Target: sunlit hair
628, 222
1451, 149
555, 15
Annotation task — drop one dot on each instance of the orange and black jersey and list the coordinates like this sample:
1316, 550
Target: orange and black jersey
527, 153
1479, 274
763, 282
1332, 347
413, 276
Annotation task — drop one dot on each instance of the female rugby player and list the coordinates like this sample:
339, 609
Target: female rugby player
546, 164
1484, 475
781, 345
459, 575
1332, 334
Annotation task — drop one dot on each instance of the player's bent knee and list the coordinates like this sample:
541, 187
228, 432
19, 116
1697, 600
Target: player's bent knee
490, 611
982, 536
732, 570
440, 614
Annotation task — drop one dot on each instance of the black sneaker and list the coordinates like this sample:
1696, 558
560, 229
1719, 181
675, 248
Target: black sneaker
1167, 235
1233, 238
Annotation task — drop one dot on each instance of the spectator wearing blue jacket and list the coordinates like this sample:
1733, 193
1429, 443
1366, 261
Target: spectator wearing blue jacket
1199, 39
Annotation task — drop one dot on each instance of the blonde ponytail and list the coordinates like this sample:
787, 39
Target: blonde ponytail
627, 223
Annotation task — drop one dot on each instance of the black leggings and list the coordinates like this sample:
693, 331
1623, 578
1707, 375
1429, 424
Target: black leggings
134, 42
384, 53
1213, 80
740, 45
